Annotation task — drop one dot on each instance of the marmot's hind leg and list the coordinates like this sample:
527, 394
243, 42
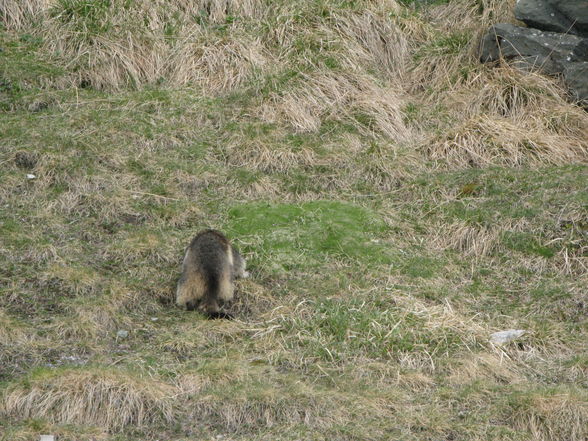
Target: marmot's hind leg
191, 289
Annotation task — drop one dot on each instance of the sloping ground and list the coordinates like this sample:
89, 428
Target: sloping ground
397, 202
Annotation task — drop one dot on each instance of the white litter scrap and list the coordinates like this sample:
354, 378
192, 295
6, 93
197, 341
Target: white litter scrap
503, 337
31, 176
47, 438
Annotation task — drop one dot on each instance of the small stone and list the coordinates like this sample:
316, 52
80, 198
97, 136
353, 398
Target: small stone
503, 337
122, 334
30, 176
154, 319
47, 438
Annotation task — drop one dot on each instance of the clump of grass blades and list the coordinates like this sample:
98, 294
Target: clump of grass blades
103, 397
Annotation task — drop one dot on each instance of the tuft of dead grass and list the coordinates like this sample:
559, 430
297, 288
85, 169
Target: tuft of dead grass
254, 406
104, 398
18, 14
470, 240
198, 335
444, 319
372, 39
552, 416
348, 98
217, 64
257, 155
487, 367
11, 331
484, 141
111, 45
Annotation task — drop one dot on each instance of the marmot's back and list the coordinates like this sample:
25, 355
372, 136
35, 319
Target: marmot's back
211, 254
209, 268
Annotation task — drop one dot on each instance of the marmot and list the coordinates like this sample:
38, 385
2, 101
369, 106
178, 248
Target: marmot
209, 268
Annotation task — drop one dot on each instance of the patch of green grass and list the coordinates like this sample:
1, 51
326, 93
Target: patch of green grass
88, 17
300, 237
420, 266
24, 72
338, 329
488, 196
526, 243
445, 45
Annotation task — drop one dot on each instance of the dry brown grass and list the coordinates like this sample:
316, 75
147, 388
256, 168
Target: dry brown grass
386, 58
196, 335
488, 116
445, 319
244, 395
93, 320
371, 38
18, 14
349, 98
257, 155
114, 46
506, 117
562, 415
471, 240
483, 141
493, 368
266, 409
109, 399
216, 64
11, 332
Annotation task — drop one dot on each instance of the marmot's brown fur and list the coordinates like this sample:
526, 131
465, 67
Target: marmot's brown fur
210, 266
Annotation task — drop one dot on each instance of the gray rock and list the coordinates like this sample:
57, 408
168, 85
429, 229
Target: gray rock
576, 77
532, 49
567, 16
503, 337
548, 52
122, 334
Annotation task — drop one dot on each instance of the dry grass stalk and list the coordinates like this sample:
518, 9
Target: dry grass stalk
471, 240
109, 399
218, 65
489, 367
371, 39
444, 317
485, 141
217, 11
553, 417
19, 14
257, 155
340, 97
268, 407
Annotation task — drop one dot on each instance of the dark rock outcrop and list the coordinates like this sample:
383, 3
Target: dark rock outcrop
576, 77
565, 16
548, 52
532, 48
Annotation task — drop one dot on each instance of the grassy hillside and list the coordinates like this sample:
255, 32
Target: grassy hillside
397, 203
